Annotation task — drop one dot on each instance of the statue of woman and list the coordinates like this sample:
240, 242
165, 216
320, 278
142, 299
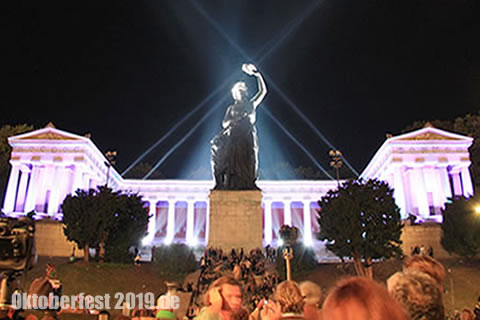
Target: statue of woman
235, 148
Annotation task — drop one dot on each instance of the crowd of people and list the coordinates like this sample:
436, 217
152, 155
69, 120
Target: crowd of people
235, 285
415, 293
248, 269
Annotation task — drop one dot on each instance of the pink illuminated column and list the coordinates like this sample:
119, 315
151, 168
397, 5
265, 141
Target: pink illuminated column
267, 211
10, 195
434, 187
207, 224
59, 181
32, 189
466, 182
22, 189
307, 223
170, 222
420, 193
190, 220
457, 183
78, 179
399, 192
287, 211
445, 183
152, 222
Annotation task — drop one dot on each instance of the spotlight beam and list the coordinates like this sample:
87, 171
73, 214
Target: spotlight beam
309, 155
181, 141
284, 35
271, 82
308, 122
172, 129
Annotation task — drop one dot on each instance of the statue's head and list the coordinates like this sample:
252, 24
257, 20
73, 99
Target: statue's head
239, 91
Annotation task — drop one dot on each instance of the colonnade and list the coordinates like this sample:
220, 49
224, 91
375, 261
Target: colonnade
194, 228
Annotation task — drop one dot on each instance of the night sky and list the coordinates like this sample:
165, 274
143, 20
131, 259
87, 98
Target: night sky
128, 71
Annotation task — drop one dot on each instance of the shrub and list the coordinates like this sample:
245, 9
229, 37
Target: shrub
175, 258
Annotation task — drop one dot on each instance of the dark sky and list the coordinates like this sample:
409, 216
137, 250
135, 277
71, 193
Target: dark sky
128, 71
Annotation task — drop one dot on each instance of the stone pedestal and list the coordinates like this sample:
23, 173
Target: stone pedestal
235, 219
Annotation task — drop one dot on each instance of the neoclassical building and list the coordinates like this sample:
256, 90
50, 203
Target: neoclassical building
425, 167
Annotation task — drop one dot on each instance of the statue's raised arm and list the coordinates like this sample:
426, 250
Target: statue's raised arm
251, 70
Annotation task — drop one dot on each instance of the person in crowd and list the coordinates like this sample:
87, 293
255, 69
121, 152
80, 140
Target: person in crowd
427, 265
418, 293
313, 297
476, 311
290, 299
359, 298
467, 314
223, 301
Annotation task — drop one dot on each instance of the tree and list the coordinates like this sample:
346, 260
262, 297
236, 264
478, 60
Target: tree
5, 132
360, 220
126, 227
461, 227
81, 220
105, 219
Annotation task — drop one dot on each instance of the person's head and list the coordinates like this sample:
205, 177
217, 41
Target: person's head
418, 293
359, 298
427, 265
311, 292
239, 91
289, 296
231, 292
103, 315
467, 314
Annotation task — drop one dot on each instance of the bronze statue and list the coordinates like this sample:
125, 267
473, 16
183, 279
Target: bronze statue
235, 148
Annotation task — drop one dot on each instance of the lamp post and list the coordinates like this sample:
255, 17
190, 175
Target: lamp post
111, 156
336, 162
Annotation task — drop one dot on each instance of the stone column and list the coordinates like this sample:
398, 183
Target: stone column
307, 223
58, 182
190, 222
267, 211
22, 188
152, 222
170, 222
445, 182
207, 221
457, 183
420, 192
399, 190
466, 182
78, 181
11, 193
287, 212
433, 185
32, 189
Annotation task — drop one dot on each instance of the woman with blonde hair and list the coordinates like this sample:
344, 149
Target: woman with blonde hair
290, 299
359, 298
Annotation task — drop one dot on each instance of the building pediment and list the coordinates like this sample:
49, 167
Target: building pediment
47, 133
430, 134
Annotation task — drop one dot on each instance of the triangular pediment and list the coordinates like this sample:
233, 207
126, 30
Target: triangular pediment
47, 133
430, 134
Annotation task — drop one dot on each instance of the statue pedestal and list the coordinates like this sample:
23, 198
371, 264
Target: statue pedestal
235, 219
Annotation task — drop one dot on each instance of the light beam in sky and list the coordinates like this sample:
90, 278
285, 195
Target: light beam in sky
269, 49
272, 83
309, 155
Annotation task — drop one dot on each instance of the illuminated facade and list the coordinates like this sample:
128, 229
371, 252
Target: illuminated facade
425, 167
